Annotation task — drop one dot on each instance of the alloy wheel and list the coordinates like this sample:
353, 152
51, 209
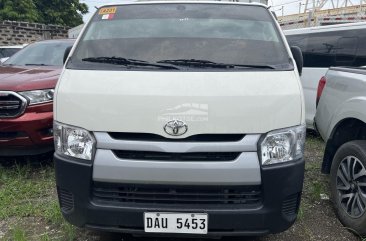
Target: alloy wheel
351, 186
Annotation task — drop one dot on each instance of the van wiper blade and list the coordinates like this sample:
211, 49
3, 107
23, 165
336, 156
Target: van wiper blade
210, 64
253, 66
126, 62
193, 63
37, 65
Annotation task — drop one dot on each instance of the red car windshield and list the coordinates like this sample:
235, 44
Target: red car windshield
41, 53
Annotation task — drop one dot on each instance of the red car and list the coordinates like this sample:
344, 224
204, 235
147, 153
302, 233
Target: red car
27, 83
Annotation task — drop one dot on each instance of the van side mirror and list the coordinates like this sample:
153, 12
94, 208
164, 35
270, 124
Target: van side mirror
296, 52
66, 54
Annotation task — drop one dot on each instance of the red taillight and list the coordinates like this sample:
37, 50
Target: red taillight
321, 86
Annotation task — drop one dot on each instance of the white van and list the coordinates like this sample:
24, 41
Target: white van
181, 118
323, 47
8, 51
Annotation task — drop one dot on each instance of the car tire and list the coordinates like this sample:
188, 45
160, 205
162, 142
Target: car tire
347, 182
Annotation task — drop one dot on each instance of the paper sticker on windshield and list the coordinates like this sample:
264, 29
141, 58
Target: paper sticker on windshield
108, 16
105, 11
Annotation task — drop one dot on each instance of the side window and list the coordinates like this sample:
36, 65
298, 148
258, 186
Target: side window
361, 49
321, 50
346, 51
297, 40
7, 52
11, 52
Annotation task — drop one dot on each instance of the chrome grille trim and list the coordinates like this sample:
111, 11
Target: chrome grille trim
247, 144
9, 103
8, 107
244, 170
12, 105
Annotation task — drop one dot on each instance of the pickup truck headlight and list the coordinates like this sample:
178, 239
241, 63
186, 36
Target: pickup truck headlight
73, 141
283, 145
38, 96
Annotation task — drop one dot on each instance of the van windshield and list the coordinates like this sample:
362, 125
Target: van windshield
181, 36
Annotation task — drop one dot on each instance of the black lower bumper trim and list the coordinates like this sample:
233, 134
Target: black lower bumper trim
281, 191
141, 232
25, 151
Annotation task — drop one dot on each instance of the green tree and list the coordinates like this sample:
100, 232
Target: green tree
18, 10
61, 12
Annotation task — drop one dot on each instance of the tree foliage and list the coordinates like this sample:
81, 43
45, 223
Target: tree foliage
60, 12
18, 10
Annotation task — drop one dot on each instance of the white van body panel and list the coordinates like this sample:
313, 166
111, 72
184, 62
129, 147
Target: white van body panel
311, 75
310, 80
209, 102
343, 98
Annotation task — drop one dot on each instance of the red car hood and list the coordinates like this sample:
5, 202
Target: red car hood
21, 78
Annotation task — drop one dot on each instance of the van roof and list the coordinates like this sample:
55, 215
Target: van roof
328, 28
137, 2
56, 40
12, 47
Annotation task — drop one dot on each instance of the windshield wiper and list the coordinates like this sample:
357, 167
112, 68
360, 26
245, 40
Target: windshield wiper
210, 64
37, 65
252, 66
126, 62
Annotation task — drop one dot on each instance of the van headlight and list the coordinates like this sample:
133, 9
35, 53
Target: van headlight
283, 145
38, 96
73, 141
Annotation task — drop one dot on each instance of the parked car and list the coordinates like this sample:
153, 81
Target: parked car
341, 121
323, 47
181, 118
27, 82
8, 51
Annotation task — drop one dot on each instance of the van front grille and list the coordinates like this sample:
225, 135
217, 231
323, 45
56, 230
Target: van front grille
126, 136
169, 156
169, 194
11, 104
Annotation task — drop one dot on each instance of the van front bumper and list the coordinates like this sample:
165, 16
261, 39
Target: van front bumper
281, 189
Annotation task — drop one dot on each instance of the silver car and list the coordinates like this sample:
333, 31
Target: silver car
340, 120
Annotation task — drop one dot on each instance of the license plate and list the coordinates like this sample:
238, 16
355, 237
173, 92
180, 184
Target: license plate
189, 223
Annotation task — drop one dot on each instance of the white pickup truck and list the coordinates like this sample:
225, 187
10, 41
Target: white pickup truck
341, 121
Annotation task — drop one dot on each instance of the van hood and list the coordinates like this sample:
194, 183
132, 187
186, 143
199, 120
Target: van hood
22, 78
208, 102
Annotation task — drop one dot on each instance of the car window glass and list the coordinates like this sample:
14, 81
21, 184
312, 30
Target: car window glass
346, 50
230, 34
41, 53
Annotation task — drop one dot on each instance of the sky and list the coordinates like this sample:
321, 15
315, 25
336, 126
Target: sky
289, 6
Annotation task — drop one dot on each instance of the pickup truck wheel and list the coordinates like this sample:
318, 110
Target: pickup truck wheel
348, 185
